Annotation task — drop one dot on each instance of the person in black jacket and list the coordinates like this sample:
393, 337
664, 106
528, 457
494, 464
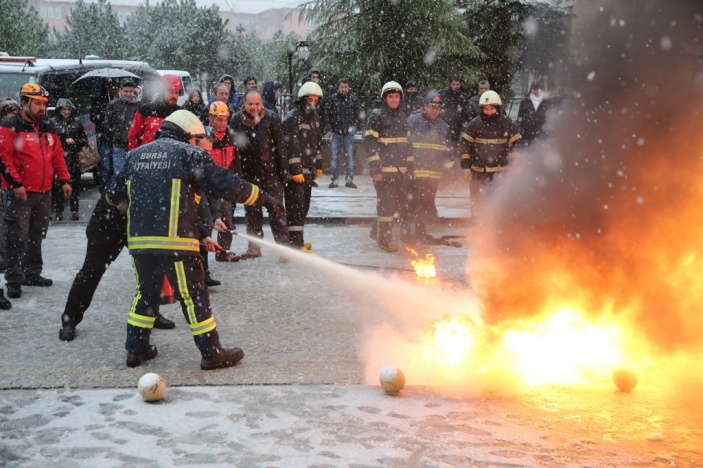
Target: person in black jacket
98, 111
262, 161
341, 121
301, 135
532, 114
412, 101
160, 188
118, 119
455, 109
73, 138
270, 95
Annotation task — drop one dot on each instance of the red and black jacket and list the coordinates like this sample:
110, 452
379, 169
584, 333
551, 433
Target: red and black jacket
147, 122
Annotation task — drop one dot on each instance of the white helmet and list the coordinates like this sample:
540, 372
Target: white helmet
310, 88
186, 121
490, 98
390, 87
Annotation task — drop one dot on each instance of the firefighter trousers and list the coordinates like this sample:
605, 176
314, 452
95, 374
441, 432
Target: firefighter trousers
254, 215
297, 206
391, 201
422, 206
186, 275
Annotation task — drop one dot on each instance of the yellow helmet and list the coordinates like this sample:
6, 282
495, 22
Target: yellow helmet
310, 88
391, 86
490, 98
186, 121
219, 108
34, 91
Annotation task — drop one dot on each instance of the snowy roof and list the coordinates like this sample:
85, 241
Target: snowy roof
237, 6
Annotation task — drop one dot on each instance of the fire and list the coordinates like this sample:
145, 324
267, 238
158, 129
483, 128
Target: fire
423, 268
452, 341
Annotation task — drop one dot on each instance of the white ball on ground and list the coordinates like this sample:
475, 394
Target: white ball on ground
152, 387
625, 378
392, 380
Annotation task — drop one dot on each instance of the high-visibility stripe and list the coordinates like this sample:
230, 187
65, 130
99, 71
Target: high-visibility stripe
394, 169
138, 296
427, 174
514, 138
491, 141
205, 326
293, 160
465, 156
182, 285
388, 141
410, 158
163, 243
253, 196
197, 199
295, 228
175, 206
468, 137
385, 219
489, 169
371, 133
375, 157
141, 321
306, 170
449, 165
129, 197
429, 146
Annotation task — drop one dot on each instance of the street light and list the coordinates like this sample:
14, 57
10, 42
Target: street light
302, 50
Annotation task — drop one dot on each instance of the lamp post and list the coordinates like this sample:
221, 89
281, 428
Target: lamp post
302, 50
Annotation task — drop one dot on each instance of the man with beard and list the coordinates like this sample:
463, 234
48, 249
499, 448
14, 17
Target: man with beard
341, 119
30, 157
301, 133
262, 161
487, 144
456, 107
148, 118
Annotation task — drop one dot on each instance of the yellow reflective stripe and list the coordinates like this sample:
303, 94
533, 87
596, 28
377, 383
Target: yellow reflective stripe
186, 300
253, 196
375, 157
468, 137
197, 199
394, 169
491, 141
160, 242
514, 138
427, 174
175, 206
141, 321
393, 140
372, 133
385, 219
410, 158
205, 326
465, 156
429, 146
129, 197
138, 296
489, 169
449, 165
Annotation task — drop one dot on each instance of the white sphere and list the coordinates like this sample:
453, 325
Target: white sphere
152, 387
392, 380
625, 378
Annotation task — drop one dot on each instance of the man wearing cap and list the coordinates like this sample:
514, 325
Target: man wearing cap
30, 158
148, 118
159, 187
120, 114
412, 101
432, 152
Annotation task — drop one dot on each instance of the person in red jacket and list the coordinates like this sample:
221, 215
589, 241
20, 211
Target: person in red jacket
148, 118
30, 157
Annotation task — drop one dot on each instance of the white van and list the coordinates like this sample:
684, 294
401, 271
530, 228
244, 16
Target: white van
185, 80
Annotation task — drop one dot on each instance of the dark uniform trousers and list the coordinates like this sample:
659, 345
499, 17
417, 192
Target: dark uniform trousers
391, 200
186, 275
422, 205
255, 216
297, 206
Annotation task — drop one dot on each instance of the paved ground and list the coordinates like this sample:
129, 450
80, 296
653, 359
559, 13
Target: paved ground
306, 394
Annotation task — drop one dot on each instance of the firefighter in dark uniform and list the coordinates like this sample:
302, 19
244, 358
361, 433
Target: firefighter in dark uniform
303, 140
432, 148
159, 187
487, 143
390, 164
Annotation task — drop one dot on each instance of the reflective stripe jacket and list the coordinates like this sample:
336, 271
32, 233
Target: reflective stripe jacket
431, 145
30, 155
487, 143
386, 139
302, 137
146, 123
159, 187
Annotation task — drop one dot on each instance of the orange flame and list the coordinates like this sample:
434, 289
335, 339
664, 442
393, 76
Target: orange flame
423, 268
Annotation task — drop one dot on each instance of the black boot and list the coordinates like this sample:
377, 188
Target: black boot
162, 323
210, 281
4, 303
68, 329
221, 358
135, 359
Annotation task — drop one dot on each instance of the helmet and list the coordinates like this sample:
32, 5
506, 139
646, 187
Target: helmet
310, 89
490, 98
171, 82
34, 91
219, 108
433, 98
391, 86
186, 121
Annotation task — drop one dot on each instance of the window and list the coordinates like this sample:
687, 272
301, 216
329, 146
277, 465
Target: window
42, 12
57, 12
50, 12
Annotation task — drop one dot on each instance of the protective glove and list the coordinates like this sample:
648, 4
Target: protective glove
378, 177
467, 174
298, 178
273, 206
318, 173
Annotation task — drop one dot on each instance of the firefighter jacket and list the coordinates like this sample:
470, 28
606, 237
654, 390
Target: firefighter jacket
69, 128
487, 143
302, 137
118, 121
386, 139
260, 147
30, 155
146, 123
431, 146
160, 187
341, 114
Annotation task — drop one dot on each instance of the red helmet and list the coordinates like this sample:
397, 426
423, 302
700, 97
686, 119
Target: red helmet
172, 82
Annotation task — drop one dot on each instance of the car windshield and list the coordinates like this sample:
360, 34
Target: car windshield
10, 84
